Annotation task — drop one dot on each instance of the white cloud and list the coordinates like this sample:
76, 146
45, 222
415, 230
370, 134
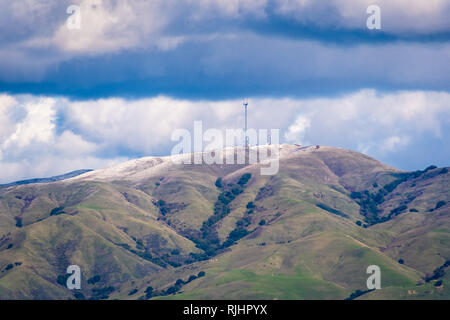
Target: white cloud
44, 136
392, 143
114, 25
397, 16
296, 131
37, 127
108, 26
373, 122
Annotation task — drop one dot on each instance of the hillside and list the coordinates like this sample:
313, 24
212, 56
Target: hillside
228, 232
45, 180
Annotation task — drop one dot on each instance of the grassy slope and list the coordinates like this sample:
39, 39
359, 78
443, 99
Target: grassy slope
302, 252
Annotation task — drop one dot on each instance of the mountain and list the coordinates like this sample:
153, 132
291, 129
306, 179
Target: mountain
152, 228
46, 180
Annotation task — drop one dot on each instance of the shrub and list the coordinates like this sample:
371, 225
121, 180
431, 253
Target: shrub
9, 246
432, 167
262, 222
413, 210
236, 190
132, 292
359, 223
161, 203
219, 183
102, 293
201, 274
401, 261
57, 211
443, 171
179, 282
440, 204
398, 210
192, 278
18, 222
94, 279
437, 273
251, 205
225, 199
149, 292
62, 279
357, 293
355, 195
237, 234
244, 179
9, 266
78, 295
173, 289
331, 210
438, 283
391, 186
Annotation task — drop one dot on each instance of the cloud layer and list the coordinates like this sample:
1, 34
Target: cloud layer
136, 70
220, 49
43, 136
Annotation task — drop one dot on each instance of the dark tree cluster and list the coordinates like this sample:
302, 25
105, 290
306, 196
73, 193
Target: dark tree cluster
207, 239
438, 272
331, 210
369, 201
173, 289
57, 211
357, 293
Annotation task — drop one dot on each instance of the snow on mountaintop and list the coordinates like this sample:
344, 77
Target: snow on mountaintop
138, 169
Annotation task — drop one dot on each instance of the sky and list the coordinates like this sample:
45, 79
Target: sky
117, 87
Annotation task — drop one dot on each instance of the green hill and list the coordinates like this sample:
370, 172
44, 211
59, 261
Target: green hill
308, 232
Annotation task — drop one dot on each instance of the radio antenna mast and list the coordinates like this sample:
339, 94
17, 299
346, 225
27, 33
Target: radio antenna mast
245, 103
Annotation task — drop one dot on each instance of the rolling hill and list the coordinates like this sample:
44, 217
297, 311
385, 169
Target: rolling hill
153, 229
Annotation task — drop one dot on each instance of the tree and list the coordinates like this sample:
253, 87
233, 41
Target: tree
237, 190
57, 211
78, 295
18, 222
94, 279
262, 222
201, 274
219, 183
192, 278
179, 282
132, 292
440, 204
244, 179
149, 292
173, 290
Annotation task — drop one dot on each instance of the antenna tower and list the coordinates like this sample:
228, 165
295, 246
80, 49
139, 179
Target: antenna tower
245, 103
